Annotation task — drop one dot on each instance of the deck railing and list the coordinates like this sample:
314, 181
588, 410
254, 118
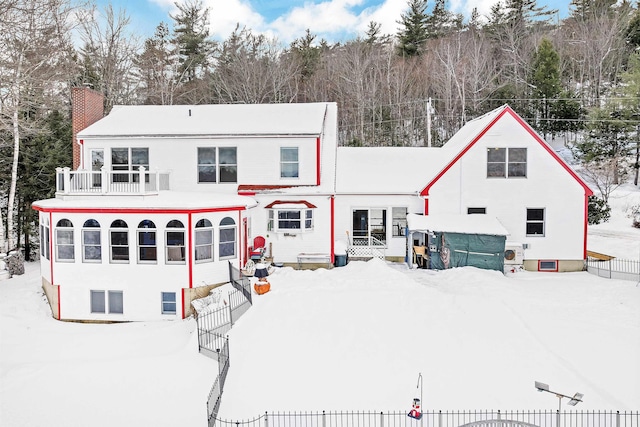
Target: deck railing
367, 247
105, 181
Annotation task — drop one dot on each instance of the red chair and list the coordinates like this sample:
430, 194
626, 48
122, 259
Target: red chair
257, 252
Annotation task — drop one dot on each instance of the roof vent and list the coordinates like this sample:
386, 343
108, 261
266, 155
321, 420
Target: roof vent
189, 112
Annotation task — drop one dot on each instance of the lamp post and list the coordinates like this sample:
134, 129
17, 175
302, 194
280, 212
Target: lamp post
572, 402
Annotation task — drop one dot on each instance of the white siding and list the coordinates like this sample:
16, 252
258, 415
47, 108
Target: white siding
287, 246
346, 204
141, 284
547, 185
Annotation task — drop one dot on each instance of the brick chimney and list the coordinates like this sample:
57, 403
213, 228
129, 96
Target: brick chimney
87, 107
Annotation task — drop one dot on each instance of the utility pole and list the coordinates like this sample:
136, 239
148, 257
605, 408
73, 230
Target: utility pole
429, 112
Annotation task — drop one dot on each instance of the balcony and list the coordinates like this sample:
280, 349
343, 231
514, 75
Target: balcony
107, 182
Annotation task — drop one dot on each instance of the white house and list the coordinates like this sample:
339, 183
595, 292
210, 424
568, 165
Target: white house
164, 198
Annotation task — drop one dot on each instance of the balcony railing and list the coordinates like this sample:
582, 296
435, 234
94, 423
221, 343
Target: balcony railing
105, 181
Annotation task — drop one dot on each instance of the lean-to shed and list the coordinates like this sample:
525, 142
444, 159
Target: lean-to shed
457, 241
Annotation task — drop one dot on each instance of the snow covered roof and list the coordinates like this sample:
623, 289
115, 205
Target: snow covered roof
471, 129
220, 119
163, 201
367, 169
465, 224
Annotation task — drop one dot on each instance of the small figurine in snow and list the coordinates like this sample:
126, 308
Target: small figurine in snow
415, 412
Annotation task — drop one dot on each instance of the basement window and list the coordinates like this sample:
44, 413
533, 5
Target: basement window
547, 265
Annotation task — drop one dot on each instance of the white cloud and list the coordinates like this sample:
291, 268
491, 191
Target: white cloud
466, 7
226, 14
388, 14
321, 18
334, 20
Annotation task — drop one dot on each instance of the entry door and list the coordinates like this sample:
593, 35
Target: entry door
360, 226
97, 161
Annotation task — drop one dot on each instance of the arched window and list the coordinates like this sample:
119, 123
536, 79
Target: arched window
147, 246
64, 241
204, 241
119, 235
175, 242
227, 245
44, 237
91, 241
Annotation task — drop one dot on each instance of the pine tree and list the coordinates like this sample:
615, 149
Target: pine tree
545, 80
191, 36
413, 34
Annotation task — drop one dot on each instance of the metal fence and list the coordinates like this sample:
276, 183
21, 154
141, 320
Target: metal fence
212, 327
442, 419
614, 268
215, 395
214, 324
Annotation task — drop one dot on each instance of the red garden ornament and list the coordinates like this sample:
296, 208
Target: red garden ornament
416, 408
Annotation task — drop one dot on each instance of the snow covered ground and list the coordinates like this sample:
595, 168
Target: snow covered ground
352, 338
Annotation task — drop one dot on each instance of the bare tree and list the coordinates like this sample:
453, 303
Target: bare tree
110, 47
594, 46
33, 66
251, 70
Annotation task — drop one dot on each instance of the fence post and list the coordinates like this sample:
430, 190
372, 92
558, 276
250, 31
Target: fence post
440, 418
324, 419
617, 418
610, 274
230, 313
558, 418
381, 419
266, 419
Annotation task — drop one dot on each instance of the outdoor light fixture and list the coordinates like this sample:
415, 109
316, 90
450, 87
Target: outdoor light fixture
572, 402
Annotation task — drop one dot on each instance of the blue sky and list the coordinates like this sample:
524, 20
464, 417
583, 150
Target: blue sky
286, 20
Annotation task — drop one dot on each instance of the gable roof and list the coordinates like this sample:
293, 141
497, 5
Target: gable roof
380, 170
475, 129
220, 119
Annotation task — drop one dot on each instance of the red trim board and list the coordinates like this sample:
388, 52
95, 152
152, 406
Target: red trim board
139, 210
318, 150
525, 125
333, 229
190, 221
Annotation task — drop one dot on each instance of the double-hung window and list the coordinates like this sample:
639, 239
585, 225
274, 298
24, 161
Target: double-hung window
175, 242
119, 241
217, 164
129, 161
399, 221
169, 304
147, 245
535, 222
44, 238
64, 241
227, 245
289, 163
204, 241
506, 162
91, 241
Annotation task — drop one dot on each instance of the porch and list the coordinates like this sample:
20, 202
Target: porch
366, 248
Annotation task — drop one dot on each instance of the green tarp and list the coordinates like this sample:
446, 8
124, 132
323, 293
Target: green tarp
460, 250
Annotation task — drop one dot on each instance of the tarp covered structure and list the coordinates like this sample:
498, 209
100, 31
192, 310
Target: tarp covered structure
460, 240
